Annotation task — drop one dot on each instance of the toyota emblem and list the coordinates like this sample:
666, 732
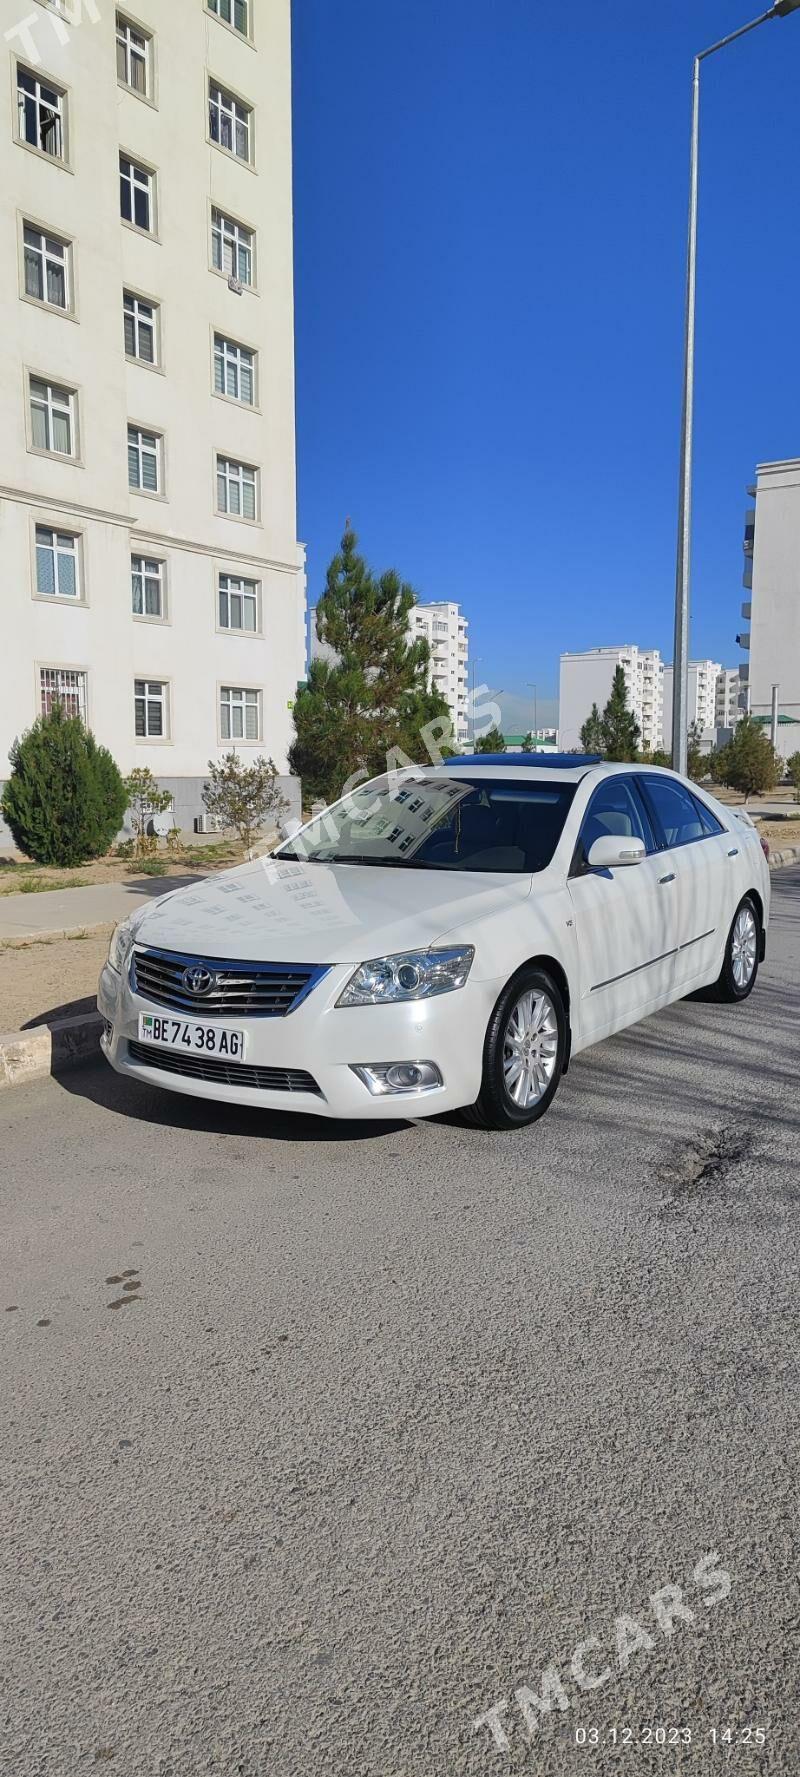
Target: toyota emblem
198, 980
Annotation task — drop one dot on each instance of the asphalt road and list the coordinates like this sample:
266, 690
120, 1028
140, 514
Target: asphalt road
398, 1418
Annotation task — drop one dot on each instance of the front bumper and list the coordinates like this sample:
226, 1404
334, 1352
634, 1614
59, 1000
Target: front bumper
326, 1041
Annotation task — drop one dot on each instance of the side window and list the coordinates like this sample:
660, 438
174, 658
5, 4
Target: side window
708, 821
675, 810
615, 808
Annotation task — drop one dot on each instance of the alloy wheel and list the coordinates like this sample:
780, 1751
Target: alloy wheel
744, 944
530, 1048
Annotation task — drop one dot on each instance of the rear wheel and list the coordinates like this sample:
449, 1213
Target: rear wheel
740, 968
523, 1055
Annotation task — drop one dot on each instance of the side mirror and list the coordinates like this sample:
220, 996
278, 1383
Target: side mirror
613, 850
288, 829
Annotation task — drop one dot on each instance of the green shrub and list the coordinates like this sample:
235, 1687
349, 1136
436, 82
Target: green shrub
65, 798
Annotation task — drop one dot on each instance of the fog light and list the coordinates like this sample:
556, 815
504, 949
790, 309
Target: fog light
108, 1031
408, 1077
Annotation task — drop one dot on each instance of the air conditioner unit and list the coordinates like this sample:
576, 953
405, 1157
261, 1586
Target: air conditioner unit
206, 823
235, 285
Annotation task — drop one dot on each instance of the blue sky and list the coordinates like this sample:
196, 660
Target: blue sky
490, 213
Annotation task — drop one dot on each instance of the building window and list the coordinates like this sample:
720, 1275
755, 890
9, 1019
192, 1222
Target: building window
229, 121
57, 568
236, 488
41, 109
52, 418
59, 684
46, 268
144, 460
133, 57
150, 697
140, 328
239, 713
147, 586
234, 12
234, 370
136, 194
231, 247
238, 603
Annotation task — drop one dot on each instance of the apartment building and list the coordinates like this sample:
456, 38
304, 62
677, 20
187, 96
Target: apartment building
727, 707
445, 630
586, 678
772, 579
153, 581
704, 677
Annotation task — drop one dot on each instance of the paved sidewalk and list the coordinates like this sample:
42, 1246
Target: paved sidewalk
59, 912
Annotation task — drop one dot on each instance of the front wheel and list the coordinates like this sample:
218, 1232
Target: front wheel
523, 1055
740, 967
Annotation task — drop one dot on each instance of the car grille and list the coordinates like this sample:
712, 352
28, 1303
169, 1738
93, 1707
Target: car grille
255, 990
222, 1073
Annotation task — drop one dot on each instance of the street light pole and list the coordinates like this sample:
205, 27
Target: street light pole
534, 688
680, 676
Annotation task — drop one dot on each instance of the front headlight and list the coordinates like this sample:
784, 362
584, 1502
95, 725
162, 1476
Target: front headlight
411, 975
120, 947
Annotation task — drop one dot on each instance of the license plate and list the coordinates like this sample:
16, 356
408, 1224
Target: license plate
184, 1033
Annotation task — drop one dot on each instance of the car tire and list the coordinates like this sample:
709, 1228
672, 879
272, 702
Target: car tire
739, 970
529, 1026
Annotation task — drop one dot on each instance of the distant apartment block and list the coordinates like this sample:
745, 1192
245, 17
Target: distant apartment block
704, 677
587, 678
772, 610
727, 707
153, 581
445, 630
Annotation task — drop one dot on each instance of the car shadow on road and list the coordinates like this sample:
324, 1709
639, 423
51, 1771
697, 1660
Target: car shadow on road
174, 1110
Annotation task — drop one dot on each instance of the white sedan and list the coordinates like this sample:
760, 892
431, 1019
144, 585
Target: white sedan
443, 939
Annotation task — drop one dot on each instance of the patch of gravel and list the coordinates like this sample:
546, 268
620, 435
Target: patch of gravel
40, 983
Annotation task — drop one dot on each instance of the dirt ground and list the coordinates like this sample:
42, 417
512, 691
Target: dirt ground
56, 978
20, 877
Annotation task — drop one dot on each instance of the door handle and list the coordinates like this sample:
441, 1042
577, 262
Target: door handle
734, 853
670, 878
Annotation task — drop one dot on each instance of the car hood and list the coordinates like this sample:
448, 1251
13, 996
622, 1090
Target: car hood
274, 911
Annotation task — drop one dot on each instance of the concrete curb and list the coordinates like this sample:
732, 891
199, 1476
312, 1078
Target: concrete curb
28, 1055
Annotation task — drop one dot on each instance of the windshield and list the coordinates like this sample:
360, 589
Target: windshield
441, 823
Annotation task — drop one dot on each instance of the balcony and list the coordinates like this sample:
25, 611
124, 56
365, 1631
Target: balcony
744, 639
747, 609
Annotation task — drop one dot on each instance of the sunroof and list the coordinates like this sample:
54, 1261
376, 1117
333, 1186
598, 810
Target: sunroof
540, 761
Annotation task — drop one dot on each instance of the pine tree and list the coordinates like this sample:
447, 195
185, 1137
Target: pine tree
620, 728
793, 773
749, 762
491, 742
592, 736
696, 761
65, 799
370, 697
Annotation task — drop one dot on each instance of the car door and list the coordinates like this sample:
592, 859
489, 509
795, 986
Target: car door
625, 918
698, 848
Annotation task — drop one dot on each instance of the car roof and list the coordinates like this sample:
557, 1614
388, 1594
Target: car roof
560, 768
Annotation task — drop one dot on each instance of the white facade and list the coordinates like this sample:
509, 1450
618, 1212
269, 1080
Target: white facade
772, 575
727, 708
587, 678
152, 574
445, 630
702, 705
